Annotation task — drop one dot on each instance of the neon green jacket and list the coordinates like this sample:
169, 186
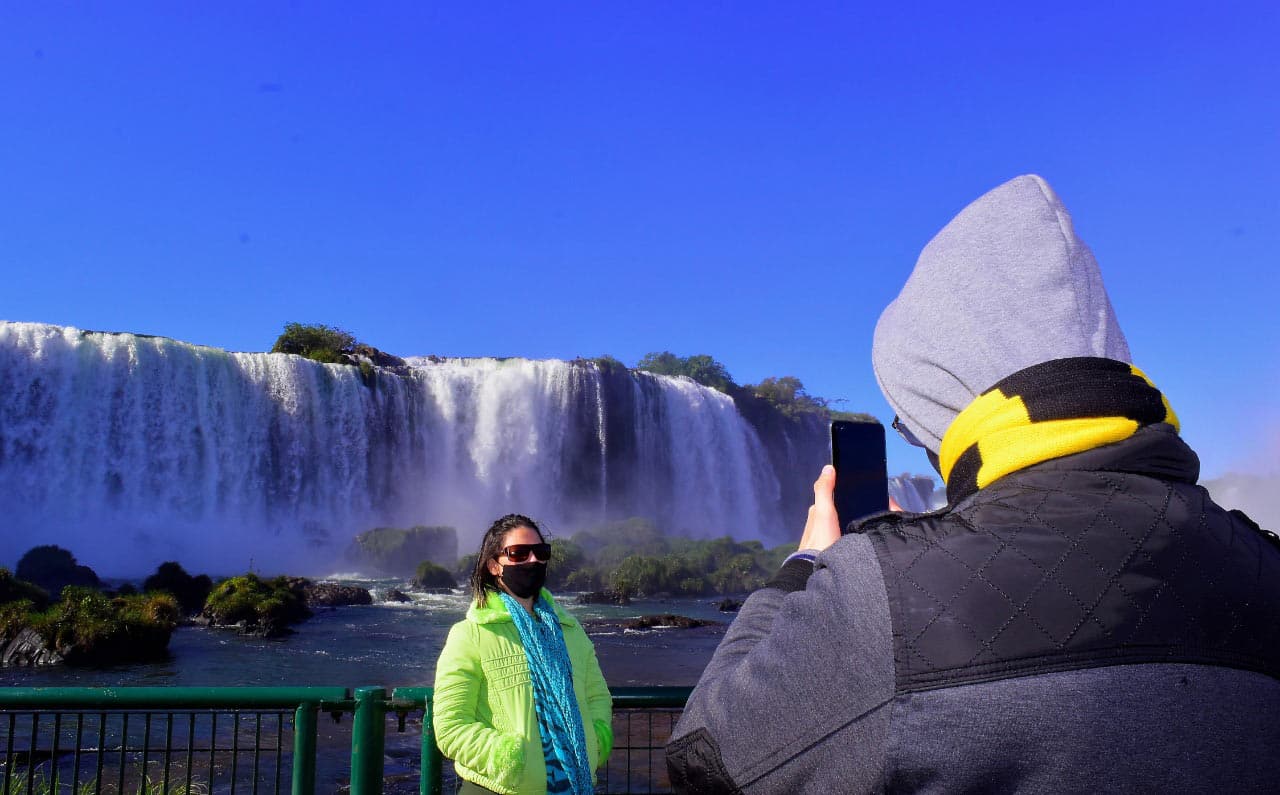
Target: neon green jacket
483, 715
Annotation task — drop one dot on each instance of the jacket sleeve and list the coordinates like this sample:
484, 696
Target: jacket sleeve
793, 698
460, 735
599, 703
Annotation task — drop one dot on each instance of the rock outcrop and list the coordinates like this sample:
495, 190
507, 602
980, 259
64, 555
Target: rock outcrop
29, 649
332, 594
604, 598
666, 621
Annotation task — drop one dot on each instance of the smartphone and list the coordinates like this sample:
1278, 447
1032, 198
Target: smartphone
862, 477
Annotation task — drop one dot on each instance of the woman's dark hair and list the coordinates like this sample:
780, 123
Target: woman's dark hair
491, 547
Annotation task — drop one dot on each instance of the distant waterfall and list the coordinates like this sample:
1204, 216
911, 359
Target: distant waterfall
916, 493
130, 450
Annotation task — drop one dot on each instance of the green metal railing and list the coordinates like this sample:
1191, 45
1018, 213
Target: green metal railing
200, 741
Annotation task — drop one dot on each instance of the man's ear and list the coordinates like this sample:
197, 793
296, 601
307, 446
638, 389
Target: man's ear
494, 568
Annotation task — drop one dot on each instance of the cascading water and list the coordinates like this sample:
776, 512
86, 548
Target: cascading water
129, 450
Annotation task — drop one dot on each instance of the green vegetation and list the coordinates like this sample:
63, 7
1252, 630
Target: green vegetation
317, 342
37, 782
700, 367
393, 550
633, 557
853, 416
432, 575
87, 627
13, 589
266, 607
608, 364
99, 628
190, 591
787, 395
784, 395
15, 616
333, 345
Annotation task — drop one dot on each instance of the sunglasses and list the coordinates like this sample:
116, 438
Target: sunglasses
519, 553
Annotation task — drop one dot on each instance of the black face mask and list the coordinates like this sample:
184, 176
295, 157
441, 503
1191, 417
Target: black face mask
524, 580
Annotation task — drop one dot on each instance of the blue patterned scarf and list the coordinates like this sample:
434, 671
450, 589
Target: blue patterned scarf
564, 744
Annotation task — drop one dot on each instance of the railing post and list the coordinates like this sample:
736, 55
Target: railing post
367, 741
432, 775
304, 749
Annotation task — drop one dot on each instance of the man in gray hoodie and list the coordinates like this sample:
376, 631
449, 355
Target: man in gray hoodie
1080, 617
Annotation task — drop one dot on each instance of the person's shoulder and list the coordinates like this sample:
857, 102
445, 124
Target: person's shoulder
461, 629
849, 566
492, 611
898, 521
1246, 520
460, 646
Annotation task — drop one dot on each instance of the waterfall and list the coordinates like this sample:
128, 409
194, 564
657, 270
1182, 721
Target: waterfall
916, 493
130, 450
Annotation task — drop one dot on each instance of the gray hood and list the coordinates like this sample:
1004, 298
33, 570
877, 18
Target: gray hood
1005, 285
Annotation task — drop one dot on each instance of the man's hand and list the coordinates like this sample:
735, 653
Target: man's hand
822, 529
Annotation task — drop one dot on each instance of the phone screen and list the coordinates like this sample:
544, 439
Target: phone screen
862, 481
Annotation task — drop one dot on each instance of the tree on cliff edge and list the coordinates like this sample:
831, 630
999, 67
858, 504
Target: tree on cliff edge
331, 345
700, 367
318, 342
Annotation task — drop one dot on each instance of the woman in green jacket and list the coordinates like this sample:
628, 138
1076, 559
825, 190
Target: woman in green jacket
520, 703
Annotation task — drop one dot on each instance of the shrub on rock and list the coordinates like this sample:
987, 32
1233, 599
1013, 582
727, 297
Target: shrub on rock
431, 576
88, 627
257, 606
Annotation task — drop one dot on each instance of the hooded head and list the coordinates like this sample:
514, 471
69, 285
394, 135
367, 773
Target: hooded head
1005, 285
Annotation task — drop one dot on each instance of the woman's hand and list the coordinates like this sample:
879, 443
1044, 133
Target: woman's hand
823, 527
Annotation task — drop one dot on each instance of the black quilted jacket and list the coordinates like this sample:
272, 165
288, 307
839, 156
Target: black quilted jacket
1092, 623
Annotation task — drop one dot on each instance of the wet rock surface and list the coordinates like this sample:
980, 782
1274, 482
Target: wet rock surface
666, 621
28, 648
332, 594
604, 598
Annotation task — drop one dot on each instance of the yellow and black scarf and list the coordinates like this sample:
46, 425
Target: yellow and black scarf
1046, 411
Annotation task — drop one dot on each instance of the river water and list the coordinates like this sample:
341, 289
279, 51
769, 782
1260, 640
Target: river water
395, 645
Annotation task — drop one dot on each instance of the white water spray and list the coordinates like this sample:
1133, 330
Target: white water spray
130, 450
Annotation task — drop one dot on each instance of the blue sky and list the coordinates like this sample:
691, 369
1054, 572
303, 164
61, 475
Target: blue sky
748, 180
